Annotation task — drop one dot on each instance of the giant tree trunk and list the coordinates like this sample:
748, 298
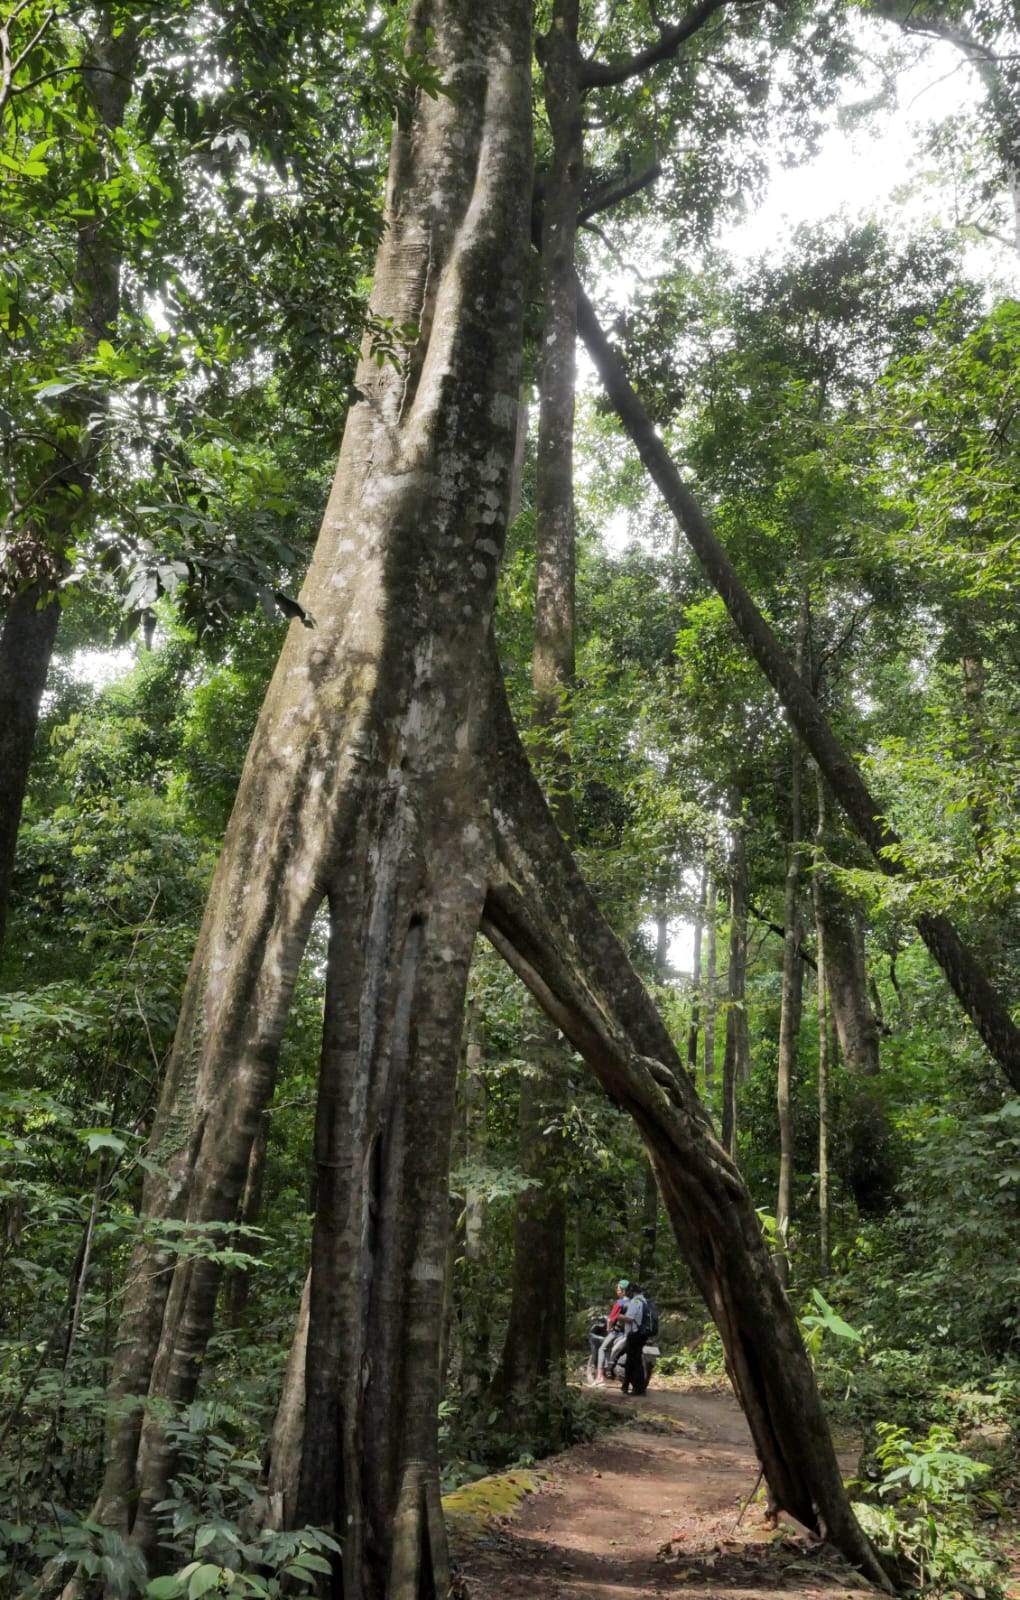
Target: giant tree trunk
981, 1001
362, 786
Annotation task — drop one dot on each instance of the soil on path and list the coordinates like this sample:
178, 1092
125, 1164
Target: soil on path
654, 1506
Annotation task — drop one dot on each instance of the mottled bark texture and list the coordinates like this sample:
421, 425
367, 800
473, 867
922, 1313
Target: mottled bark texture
362, 787
34, 544
968, 980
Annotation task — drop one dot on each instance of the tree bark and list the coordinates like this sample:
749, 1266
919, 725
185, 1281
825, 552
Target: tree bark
982, 1003
532, 1364
847, 976
362, 785
699, 928
736, 1054
710, 976
789, 1018
237, 1283
821, 997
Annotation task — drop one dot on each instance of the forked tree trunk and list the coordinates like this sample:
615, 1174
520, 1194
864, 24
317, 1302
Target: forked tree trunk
362, 786
385, 775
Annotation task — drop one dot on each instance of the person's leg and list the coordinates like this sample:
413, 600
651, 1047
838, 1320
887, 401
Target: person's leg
639, 1362
633, 1371
595, 1345
600, 1359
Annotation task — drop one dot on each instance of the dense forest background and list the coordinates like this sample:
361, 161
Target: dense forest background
191, 206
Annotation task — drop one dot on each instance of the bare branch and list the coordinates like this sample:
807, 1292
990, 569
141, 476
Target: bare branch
621, 191
601, 74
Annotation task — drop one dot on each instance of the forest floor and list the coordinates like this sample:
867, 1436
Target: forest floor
653, 1506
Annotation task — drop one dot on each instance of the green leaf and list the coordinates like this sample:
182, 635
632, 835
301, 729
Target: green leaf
203, 1579
167, 1588
99, 1139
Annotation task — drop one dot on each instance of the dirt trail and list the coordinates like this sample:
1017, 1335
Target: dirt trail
651, 1508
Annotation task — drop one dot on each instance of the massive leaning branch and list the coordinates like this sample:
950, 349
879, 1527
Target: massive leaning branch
981, 1001
541, 917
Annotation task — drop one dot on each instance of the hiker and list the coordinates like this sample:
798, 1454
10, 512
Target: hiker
635, 1379
602, 1344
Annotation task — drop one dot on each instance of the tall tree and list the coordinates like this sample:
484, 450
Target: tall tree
386, 777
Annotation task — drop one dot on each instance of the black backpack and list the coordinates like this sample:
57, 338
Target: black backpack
650, 1320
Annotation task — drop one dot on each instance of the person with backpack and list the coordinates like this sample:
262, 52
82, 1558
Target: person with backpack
635, 1319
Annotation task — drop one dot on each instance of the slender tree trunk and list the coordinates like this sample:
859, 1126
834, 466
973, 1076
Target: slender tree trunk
983, 1004
27, 637
823, 1042
529, 1387
475, 1329
699, 928
736, 1056
710, 976
649, 1226
35, 559
847, 976
789, 1018
534, 1354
